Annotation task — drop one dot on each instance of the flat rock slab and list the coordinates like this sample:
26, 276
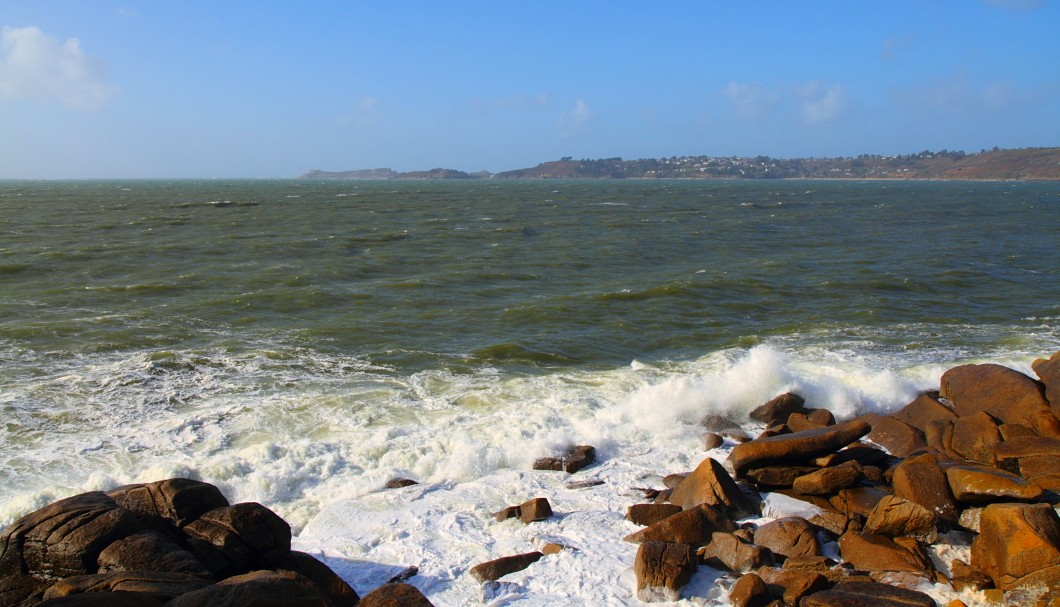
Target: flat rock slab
785, 448
897, 437
1016, 540
860, 594
978, 485
694, 527
921, 480
829, 480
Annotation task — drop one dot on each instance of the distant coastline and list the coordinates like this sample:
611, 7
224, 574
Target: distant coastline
1027, 164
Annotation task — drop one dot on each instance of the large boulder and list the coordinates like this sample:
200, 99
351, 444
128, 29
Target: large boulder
750, 591
1004, 393
173, 501
257, 589
975, 436
236, 539
829, 480
777, 410
649, 514
924, 409
335, 588
870, 552
662, 570
896, 517
150, 551
694, 527
1015, 541
101, 599
798, 446
726, 551
159, 586
64, 538
710, 484
897, 437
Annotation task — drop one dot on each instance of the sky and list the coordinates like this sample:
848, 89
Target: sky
264, 89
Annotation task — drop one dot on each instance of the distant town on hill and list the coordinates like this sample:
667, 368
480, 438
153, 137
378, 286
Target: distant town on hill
996, 164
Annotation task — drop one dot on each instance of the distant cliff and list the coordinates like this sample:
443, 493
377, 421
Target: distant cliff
996, 164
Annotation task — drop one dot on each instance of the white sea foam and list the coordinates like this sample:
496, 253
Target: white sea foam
315, 438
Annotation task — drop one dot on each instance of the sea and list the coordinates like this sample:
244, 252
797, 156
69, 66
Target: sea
298, 343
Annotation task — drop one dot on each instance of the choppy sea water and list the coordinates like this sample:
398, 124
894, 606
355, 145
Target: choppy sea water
298, 343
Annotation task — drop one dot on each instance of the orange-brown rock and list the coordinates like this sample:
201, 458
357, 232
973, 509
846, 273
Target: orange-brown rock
778, 476
1010, 453
710, 484
921, 480
777, 410
662, 570
258, 588
858, 500
1016, 540
867, 594
1005, 393
924, 409
395, 595
498, 568
571, 462
897, 517
870, 552
822, 417
785, 448
897, 437
790, 585
797, 422
1042, 470
862, 454
829, 480
979, 485
939, 437
1013, 431
693, 527
788, 537
649, 514
726, 551
975, 436
750, 591
1048, 369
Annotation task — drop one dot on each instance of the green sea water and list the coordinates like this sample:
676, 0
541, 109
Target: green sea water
173, 323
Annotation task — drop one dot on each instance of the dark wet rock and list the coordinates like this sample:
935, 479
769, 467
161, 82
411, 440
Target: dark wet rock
711, 440
395, 595
1004, 393
101, 599
862, 454
662, 570
750, 591
975, 436
860, 594
788, 537
729, 552
649, 514
719, 423
829, 480
257, 589
150, 551
1016, 540
777, 410
897, 517
584, 484
797, 422
693, 527
537, 509
574, 460
921, 480
498, 568
398, 483
159, 586
236, 539
793, 447
821, 417
710, 484
897, 437
174, 501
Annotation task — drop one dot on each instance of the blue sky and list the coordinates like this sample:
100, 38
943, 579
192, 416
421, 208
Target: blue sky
272, 89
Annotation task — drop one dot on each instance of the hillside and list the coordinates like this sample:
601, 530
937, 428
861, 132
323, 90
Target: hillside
1022, 164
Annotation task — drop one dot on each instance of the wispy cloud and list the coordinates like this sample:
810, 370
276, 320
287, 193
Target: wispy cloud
820, 104
367, 112
750, 101
36, 66
575, 120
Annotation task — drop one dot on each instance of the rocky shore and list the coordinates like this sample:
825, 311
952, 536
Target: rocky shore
975, 464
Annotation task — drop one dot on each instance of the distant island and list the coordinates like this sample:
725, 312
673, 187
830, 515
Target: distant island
996, 164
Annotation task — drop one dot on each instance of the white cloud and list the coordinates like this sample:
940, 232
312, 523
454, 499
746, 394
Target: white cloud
576, 119
750, 101
821, 105
36, 66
